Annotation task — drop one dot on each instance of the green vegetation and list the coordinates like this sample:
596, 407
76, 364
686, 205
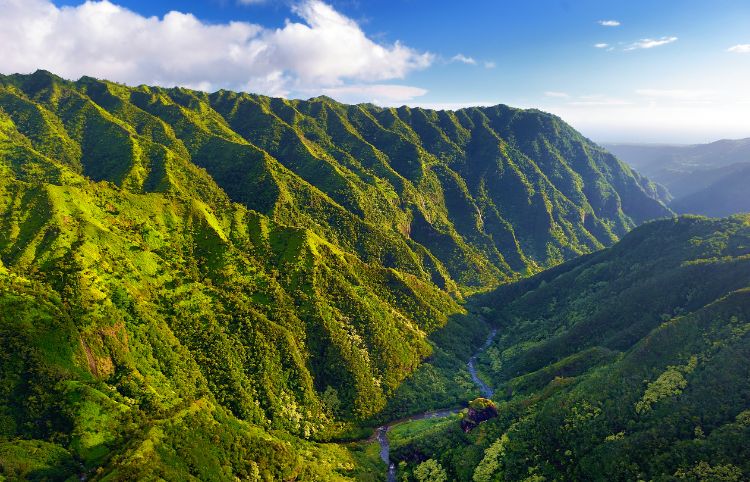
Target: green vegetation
481, 403
214, 286
628, 364
430, 471
443, 381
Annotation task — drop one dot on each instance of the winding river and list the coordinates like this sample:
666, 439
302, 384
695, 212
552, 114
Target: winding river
484, 389
382, 431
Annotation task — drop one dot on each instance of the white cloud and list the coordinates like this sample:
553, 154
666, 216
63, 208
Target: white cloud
556, 95
99, 38
740, 49
382, 94
649, 43
488, 64
609, 23
601, 45
463, 59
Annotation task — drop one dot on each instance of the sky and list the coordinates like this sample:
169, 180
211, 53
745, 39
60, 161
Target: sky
666, 71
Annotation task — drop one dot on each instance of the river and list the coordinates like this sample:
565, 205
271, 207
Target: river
382, 431
484, 389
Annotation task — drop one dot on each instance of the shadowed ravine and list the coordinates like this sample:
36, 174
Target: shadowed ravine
382, 431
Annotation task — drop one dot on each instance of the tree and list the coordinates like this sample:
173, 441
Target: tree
430, 471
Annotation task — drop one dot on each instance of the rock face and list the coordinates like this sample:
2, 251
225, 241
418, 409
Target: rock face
480, 410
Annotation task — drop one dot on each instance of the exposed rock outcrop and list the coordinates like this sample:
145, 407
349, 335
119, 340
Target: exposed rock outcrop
480, 410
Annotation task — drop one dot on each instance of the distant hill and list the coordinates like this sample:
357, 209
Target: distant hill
699, 178
727, 195
653, 159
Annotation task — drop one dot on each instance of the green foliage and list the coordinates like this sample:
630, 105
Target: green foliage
208, 287
443, 379
489, 467
703, 471
35, 460
471, 197
670, 383
631, 363
430, 471
481, 403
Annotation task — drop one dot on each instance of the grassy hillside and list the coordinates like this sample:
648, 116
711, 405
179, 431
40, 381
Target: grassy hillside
628, 364
206, 286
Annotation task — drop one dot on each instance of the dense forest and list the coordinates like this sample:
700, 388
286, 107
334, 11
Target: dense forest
211, 286
632, 363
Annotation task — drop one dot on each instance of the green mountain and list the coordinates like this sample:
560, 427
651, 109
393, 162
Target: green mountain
627, 364
201, 285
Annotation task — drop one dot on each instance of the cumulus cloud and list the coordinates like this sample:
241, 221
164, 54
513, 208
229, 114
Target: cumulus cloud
740, 49
601, 45
609, 23
99, 38
463, 59
649, 43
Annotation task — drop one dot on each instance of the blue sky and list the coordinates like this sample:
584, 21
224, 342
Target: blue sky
657, 71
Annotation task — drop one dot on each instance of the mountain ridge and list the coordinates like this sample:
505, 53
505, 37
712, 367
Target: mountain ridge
264, 269
345, 181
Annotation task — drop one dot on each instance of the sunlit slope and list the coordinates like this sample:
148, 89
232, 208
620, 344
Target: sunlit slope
463, 198
256, 271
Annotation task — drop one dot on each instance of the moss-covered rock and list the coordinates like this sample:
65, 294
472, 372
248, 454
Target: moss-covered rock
480, 410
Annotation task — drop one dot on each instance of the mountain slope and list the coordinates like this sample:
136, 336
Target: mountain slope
265, 270
630, 363
466, 197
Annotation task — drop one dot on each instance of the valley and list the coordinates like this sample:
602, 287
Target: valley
226, 286
382, 431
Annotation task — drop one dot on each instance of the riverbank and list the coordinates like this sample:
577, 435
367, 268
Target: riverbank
381, 433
